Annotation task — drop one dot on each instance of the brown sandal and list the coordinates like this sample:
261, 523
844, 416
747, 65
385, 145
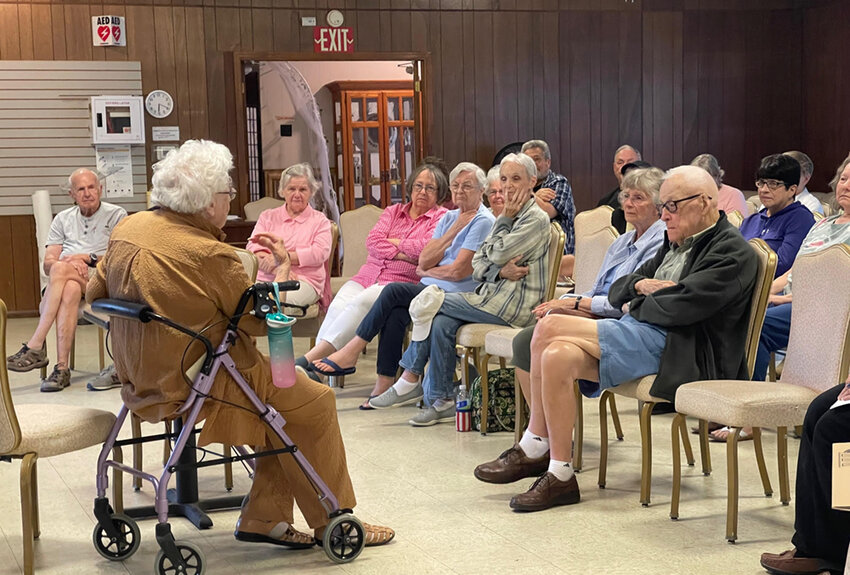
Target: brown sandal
377, 535
27, 359
286, 536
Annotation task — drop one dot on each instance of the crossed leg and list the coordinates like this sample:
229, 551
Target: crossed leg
60, 304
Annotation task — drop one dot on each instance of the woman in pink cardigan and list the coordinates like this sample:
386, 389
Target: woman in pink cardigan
306, 234
393, 248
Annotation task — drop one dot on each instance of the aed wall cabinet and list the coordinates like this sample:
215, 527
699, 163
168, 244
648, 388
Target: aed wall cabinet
117, 120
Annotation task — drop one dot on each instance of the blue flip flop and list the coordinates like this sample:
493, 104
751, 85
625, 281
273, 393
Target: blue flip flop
337, 369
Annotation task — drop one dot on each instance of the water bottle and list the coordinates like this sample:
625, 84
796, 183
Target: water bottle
463, 410
280, 349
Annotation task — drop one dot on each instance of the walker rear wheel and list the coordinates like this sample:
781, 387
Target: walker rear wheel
344, 538
121, 548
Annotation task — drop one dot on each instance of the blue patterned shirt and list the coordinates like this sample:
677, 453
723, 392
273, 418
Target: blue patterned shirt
563, 203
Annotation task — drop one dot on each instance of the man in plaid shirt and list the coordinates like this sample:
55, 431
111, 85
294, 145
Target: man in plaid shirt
552, 191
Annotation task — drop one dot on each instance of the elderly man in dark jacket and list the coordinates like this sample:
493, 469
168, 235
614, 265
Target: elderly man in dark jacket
687, 314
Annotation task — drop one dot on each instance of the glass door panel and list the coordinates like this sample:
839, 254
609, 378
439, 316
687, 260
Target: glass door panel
397, 171
374, 166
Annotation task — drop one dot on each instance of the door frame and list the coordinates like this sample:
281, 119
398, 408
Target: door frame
421, 91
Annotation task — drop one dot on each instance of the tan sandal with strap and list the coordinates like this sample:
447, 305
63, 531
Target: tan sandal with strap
377, 535
27, 359
281, 534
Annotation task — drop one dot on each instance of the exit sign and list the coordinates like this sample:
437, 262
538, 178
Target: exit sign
328, 39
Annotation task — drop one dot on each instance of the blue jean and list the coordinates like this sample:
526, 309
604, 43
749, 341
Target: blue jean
390, 318
439, 347
774, 336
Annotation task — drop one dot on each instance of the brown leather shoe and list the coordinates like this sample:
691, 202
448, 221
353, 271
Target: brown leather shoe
548, 491
511, 466
787, 563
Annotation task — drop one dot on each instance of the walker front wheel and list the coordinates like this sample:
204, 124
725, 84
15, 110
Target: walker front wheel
344, 538
117, 549
192, 556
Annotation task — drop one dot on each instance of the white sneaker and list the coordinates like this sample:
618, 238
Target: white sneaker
106, 379
431, 416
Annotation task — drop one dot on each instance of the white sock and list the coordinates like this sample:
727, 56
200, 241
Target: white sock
442, 404
563, 470
533, 445
402, 386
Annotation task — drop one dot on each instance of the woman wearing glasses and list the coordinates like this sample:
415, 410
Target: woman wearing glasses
782, 222
393, 247
302, 236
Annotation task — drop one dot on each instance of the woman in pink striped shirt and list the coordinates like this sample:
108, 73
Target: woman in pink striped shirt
393, 247
306, 237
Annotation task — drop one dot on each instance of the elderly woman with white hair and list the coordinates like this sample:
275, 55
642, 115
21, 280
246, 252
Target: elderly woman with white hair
512, 267
172, 259
305, 234
495, 194
445, 262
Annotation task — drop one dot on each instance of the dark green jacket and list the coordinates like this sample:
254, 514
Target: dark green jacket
705, 314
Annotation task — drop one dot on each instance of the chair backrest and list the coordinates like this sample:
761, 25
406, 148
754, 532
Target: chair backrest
10, 431
590, 221
254, 209
754, 202
334, 243
43, 213
761, 294
735, 218
249, 260
355, 226
590, 251
818, 216
827, 210
557, 239
819, 344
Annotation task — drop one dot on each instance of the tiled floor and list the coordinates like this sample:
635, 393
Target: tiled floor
419, 481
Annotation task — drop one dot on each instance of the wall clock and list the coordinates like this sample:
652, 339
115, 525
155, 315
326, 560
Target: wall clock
159, 104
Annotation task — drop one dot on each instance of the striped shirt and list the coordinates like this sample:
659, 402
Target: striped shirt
395, 222
526, 234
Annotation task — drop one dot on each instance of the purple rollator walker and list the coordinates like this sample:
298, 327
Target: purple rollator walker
117, 536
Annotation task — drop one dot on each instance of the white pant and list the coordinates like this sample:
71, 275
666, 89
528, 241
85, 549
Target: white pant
348, 308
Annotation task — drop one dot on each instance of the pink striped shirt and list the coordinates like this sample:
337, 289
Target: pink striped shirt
309, 235
395, 222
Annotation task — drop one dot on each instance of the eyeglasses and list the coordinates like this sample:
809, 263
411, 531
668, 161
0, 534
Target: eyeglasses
771, 185
231, 193
672, 206
417, 187
466, 188
636, 198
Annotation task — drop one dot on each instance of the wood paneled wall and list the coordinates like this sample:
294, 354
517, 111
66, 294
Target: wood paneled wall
673, 77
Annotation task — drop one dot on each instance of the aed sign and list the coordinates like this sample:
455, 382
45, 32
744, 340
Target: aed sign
108, 31
328, 39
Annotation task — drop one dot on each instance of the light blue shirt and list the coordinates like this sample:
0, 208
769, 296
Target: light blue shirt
470, 238
623, 257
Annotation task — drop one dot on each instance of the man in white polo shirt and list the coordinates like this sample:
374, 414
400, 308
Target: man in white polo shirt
78, 235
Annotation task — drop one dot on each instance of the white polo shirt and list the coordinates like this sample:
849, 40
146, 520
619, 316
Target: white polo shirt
78, 234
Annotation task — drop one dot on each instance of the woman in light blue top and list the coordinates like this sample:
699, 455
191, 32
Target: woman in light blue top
638, 197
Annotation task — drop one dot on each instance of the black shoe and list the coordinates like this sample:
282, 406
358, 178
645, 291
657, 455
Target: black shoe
662, 408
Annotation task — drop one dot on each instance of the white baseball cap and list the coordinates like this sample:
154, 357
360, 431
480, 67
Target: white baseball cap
422, 310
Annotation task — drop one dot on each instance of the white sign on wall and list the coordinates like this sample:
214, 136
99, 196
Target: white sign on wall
108, 31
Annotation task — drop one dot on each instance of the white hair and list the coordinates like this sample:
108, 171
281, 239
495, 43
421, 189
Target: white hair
524, 161
462, 167
302, 170
544, 147
493, 175
628, 147
80, 172
188, 178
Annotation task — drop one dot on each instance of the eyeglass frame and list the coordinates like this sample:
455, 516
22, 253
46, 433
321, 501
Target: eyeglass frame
675, 203
467, 187
776, 184
621, 197
419, 187
231, 192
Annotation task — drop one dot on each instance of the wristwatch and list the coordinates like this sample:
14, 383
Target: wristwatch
92, 260
578, 299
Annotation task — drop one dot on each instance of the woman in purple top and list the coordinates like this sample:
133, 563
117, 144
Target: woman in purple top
782, 222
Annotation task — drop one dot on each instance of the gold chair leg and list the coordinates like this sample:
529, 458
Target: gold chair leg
646, 452
312, 342
519, 413
464, 367
28, 463
101, 353
686, 442
117, 481
136, 424
228, 470
704, 451
73, 356
675, 432
782, 457
578, 432
503, 364
732, 484
36, 523
798, 429
603, 438
765, 480
43, 370
481, 364
166, 445
615, 416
